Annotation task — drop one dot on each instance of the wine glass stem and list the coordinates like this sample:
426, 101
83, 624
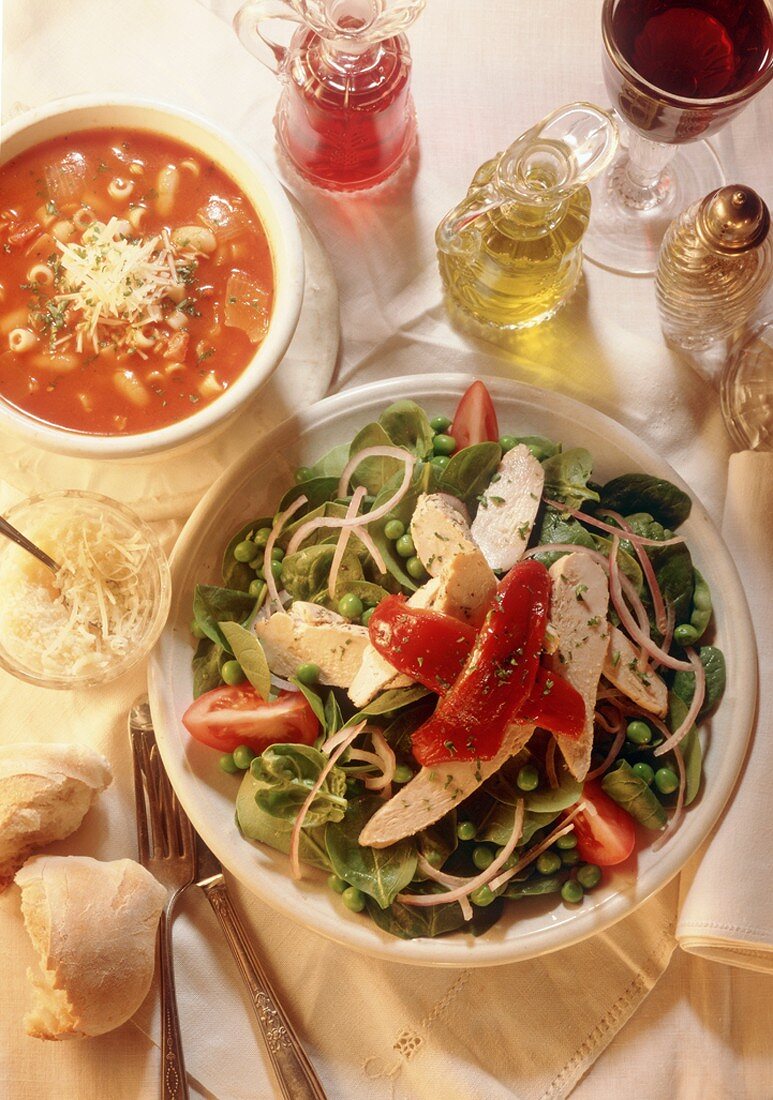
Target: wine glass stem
638, 179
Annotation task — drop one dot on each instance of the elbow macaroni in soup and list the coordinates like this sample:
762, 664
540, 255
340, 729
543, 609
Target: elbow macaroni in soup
136, 281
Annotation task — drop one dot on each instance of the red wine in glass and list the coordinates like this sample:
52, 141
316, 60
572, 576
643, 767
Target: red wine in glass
663, 52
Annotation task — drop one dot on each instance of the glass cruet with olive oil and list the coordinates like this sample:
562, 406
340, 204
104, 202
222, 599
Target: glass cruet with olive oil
510, 253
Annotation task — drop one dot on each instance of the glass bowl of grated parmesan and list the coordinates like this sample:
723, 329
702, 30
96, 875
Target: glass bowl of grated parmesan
101, 612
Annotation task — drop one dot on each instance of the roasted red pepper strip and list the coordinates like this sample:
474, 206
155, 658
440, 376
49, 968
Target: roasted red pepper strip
428, 646
469, 722
431, 648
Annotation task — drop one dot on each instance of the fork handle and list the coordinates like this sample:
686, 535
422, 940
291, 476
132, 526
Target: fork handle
295, 1073
174, 1083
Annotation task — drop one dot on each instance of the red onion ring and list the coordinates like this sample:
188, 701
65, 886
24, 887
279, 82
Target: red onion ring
538, 849
276, 530
699, 694
430, 872
658, 604
611, 755
343, 539
642, 540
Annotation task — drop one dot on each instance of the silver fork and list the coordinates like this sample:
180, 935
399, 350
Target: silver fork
168, 851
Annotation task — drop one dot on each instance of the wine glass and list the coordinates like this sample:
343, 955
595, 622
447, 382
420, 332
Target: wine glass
676, 74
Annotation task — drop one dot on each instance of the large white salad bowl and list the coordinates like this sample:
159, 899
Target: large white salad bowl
266, 194
252, 487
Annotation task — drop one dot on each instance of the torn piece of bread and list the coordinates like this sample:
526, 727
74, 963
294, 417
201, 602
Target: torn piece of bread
45, 792
93, 926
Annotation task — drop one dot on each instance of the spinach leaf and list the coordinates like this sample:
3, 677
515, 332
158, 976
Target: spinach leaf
567, 475
317, 490
374, 473
239, 574
314, 701
439, 841
368, 592
409, 922
213, 605
545, 799
286, 773
532, 887
399, 731
305, 573
675, 576
333, 717
425, 479
206, 667
470, 471
381, 873
692, 753
626, 562
256, 824
407, 425
631, 792
392, 700
332, 464
539, 446
644, 493
322, 534
713, 661
497, 826
249, 653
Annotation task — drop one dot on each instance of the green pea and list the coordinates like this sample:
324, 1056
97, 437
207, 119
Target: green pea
307, 673
482, 896
589, 876
244, 551
337, 884
466, 830
353, 899
666, 780
440, 423
415, 569
276, 569
350, 606
702, 595
482, 857
277, 554
567, 842
639, 733
367, 615
232, 673
394, 529
403, 774
196, 630
570, 857
256, 587
685, 634
572, 892
548, 863
262, 536
243, 757
440, 461
644, 771
527, 778
443, 444
404, 546
228, 764
507, 442
303, 473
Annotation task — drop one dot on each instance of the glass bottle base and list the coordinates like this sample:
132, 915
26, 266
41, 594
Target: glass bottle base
491, 331
627, 239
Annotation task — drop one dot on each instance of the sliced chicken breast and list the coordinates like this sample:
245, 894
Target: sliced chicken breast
440, 531
334, 645
621, 668
508, 508
578, 614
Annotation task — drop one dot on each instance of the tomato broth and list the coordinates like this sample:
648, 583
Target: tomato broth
136, 281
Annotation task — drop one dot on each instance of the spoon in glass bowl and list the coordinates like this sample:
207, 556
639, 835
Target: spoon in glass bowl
16, 536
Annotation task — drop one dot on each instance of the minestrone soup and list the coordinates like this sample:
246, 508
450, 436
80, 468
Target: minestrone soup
135, 281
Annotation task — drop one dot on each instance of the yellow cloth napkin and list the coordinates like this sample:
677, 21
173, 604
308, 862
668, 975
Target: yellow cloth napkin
725, 911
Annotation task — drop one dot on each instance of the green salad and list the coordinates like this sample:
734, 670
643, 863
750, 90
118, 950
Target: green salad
452, 671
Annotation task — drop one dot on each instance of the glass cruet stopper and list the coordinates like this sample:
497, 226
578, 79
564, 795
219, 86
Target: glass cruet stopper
536, 175
715, 263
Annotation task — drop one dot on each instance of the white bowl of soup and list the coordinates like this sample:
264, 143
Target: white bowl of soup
151, 276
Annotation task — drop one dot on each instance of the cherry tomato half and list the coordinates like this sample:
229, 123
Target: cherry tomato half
606, 834
227, 717
475, 419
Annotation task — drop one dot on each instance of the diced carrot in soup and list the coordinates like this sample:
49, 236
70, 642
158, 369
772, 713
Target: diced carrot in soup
137, 281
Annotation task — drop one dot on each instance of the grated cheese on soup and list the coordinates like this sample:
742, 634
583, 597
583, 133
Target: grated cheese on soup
89, 615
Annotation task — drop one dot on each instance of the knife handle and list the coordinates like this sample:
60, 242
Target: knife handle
295, 1073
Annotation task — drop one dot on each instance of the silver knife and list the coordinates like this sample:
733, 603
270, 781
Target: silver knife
295, 1073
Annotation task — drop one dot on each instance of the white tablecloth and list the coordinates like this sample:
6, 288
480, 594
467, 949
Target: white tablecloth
483, 73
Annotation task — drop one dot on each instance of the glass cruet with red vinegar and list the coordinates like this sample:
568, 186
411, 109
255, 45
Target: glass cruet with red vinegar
345, 117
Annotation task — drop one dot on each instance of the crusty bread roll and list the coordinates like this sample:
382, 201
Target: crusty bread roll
45, 792
93, 926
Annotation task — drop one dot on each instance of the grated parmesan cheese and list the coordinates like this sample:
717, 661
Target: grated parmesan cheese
89, 616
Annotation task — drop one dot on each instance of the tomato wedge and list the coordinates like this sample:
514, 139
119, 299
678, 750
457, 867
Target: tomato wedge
227, 717
470, 720
606, 834
475, 419
432, 648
